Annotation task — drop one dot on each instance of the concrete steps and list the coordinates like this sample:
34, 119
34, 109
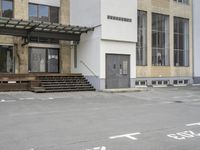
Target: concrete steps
63, 84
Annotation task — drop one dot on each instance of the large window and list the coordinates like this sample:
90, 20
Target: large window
43, 60
43, 13
6, 8
6, 59
160, 40
181, 42
142, 39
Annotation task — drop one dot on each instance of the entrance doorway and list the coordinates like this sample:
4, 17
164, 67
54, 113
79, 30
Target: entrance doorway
6, 59
117, 71
43, 60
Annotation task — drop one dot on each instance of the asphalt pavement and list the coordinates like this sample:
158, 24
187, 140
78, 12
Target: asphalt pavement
155, 119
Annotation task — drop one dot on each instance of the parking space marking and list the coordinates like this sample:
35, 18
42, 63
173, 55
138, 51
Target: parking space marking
28, 98
98, 148
193, 124
7, 101
184, 135
129, 136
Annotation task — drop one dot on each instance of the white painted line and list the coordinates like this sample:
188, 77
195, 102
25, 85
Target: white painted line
3, 100
98, 148
28, 98
51, 98
129, 136
184, 135
7, 101
193, 124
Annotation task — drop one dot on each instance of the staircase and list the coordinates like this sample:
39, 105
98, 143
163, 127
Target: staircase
70, 83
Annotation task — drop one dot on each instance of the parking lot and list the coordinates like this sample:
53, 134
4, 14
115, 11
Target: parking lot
153, 119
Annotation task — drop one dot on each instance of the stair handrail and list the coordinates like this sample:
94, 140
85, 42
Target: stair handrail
91, 71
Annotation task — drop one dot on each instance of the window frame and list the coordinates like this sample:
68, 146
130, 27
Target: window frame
1, 8
188, 42
158, 32
140, 47
49, 13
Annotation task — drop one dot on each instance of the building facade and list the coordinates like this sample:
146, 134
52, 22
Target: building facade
165, 47
107, 55
33, 57
133, 42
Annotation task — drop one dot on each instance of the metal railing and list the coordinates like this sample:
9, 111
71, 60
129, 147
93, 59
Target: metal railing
91, 71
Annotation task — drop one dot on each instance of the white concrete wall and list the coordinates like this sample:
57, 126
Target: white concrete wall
196, 38
87, 13
46, 2
111, 36
115, 29
114, 47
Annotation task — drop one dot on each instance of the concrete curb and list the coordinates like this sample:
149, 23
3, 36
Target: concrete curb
124, 90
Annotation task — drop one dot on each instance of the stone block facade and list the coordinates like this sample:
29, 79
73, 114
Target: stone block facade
171, 9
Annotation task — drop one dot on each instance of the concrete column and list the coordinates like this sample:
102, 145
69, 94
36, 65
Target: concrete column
21, 9
65, 57
65, 50
21, 56
21, 52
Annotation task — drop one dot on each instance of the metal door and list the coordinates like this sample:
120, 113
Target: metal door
53, 61
117, 71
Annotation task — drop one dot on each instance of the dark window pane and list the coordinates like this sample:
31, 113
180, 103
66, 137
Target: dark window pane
7, 8
160, 40
54, 14
33, 12
142, 38
6, 59
181, 42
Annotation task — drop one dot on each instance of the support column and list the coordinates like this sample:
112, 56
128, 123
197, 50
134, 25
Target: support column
65, 49
21, 56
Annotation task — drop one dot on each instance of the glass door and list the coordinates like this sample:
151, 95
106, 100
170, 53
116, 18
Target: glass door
43, 60
6, 59
53, 60
37, 60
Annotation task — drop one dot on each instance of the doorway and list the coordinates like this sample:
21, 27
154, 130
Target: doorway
43, 60
117, 71
6, 59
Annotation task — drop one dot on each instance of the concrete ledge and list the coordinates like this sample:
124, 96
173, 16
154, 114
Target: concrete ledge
124, 90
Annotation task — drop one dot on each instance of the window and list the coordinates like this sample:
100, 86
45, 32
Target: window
160, 40
43, 13
33, 12
182, 1
6, 8
6, 59
43, 60
181, 42
142, 39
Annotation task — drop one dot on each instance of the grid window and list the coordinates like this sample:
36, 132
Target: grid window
160, 40
142, 39
6, 8
43, 13
181, 42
